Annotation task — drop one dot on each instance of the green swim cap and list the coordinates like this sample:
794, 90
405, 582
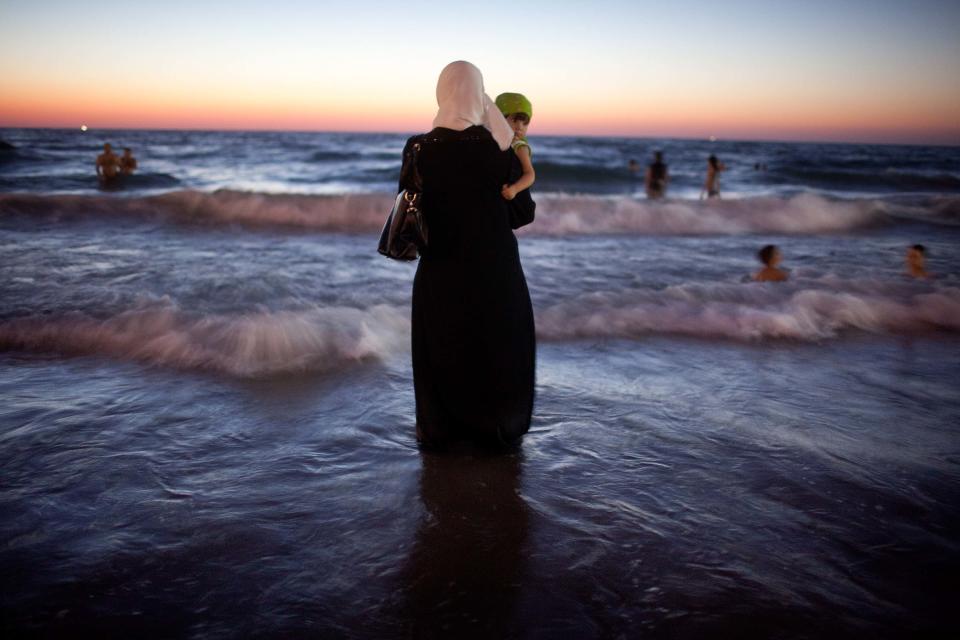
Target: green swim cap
514, 103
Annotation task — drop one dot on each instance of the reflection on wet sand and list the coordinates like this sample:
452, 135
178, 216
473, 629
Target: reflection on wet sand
464, 573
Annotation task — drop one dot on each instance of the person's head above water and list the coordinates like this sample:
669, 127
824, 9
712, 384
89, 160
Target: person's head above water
658, 156
107, 148
713, 161
462, 103
916, 259
769, 255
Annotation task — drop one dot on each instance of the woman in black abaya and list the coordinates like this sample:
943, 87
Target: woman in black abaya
473, 334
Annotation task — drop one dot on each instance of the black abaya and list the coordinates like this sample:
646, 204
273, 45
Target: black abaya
473, 333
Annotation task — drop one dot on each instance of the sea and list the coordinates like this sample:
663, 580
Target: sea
207, 416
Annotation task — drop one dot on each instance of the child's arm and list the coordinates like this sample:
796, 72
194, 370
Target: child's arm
526, 178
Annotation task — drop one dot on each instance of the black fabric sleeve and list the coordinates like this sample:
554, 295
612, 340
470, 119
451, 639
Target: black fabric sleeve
522, 208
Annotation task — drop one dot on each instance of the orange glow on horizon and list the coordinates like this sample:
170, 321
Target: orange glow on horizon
756, 117
866, 72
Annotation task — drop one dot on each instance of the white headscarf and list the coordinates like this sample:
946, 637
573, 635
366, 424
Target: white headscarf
463, 103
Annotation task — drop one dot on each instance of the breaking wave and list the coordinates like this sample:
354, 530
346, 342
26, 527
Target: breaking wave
80, 181
332, 338
347, 213
802, 214
557, 214
751, 312
869, 177
248, 345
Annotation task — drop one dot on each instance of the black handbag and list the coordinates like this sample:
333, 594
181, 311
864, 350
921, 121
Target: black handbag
405, 231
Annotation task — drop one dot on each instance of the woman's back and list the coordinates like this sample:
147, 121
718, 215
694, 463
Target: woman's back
462, 172
473, 337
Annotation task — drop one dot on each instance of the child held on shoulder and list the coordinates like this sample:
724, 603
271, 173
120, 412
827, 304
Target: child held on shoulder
518, 111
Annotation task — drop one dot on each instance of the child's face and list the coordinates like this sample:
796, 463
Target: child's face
914, 258
519, 123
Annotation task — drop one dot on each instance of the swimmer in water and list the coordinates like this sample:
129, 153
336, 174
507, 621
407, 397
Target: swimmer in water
916, 259
108, 164
657, 178
770, 257
712, 185
127, 162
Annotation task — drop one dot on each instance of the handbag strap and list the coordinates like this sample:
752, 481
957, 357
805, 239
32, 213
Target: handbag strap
410, 178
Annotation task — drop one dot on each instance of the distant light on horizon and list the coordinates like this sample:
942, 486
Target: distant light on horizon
83, 127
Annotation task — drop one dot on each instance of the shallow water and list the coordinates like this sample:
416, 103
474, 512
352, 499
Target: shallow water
678, 487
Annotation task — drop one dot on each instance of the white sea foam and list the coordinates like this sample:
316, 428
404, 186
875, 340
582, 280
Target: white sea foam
343, 213
556, 214
248, 345
802, 214
754, 311
325, 339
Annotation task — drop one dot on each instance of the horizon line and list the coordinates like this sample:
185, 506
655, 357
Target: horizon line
708, 139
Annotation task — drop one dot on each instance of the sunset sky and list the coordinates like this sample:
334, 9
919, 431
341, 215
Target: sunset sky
845, 70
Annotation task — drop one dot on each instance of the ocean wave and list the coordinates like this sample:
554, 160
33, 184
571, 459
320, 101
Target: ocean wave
147, 181
557, 214
334, 155
802, 214
551, 174
339, 155
248, 345
888, 178
85, 181
348, 213
752, 312
10, 154
324, 339
943, 210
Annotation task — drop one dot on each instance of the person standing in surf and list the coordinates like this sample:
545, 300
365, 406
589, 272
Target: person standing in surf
128, 164
916, 261
656, 178
712, 184
473, 341
107, 165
